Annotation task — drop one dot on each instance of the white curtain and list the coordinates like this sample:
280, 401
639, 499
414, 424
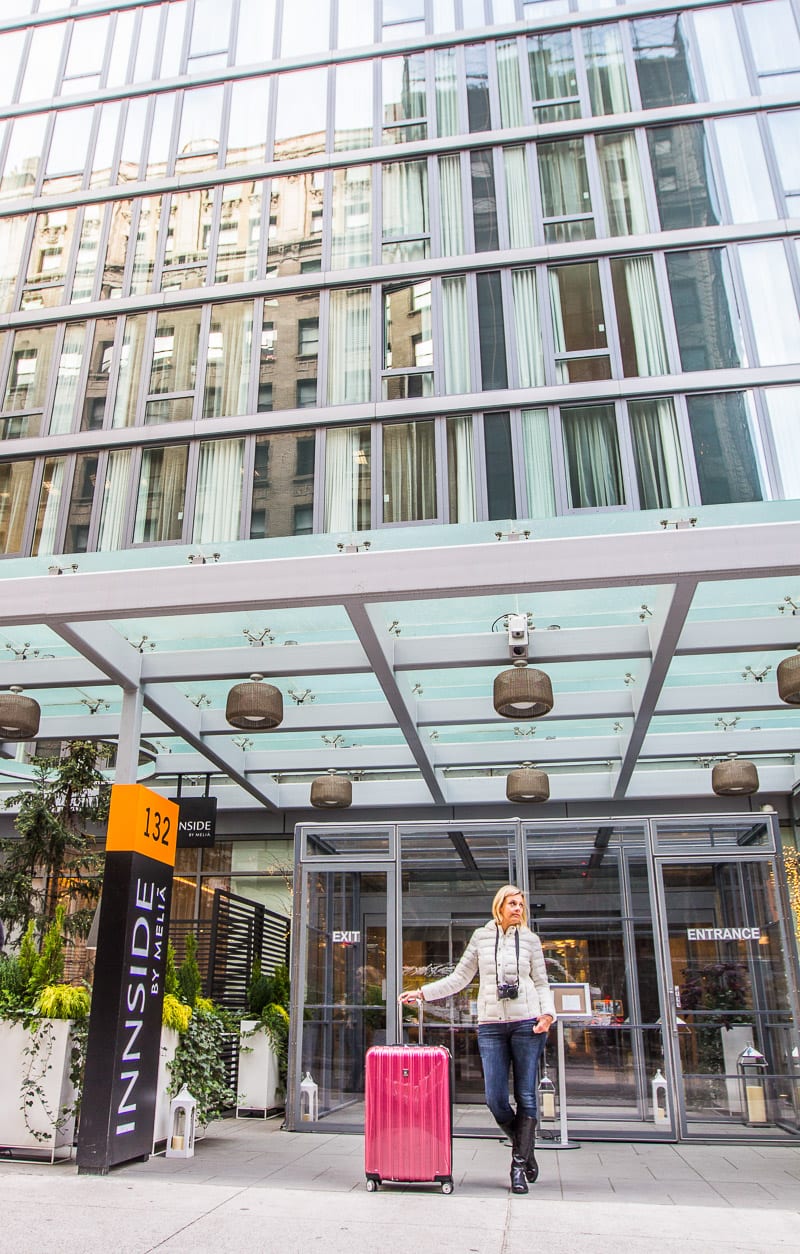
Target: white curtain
44, 538
656, 447
218, 502
538, 463
230, 346
520, 218
409, 472
562, 169
745, 167
529, 332
343, 476
623, 191
405, 199
452, 217
69, 369
648, 334
461, 468
115, 491
129, 371
349, 347
508, 61
15, 491
456, 335
773, 308
592, 451
608, 85
784, 412
721, 54
159, 505
446, 92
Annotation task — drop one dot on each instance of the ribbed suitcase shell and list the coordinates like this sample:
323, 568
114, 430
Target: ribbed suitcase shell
408, 1114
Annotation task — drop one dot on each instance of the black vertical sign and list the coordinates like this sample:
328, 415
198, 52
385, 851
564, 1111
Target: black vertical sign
119, 1092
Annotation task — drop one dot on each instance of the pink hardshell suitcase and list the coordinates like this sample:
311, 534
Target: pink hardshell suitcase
408, 1132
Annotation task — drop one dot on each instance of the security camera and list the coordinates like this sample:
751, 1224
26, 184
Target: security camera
518, 635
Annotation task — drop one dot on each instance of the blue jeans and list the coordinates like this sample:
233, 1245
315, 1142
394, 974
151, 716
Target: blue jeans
504, 1045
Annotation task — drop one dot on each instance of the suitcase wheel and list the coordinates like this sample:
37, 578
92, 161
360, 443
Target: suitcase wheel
372, 1185
447, 1186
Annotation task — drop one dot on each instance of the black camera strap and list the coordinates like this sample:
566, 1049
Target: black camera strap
496, 947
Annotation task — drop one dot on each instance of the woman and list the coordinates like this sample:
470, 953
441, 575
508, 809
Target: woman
515, 1012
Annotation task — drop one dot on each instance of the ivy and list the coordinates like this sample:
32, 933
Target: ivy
199, 1063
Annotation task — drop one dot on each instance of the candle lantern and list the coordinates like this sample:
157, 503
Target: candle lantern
309, 1099
658, 1088
751, 1068
182, 1115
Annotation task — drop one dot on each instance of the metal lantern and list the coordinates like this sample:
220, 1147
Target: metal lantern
182, 1125
331, 792
734, 778
254, 706
789, 680
19, 716
525, 783
523, 692
751, 1068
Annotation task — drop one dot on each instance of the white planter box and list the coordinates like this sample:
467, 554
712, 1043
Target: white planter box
734, 1041
169, 1043
258, 1071
48, 1070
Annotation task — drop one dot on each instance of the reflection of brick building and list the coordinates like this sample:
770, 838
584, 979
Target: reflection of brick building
283, 485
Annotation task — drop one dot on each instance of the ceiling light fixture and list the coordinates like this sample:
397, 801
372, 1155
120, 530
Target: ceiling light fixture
527, 784
735, 777
331, 791
254, 706
788, 675
19, 715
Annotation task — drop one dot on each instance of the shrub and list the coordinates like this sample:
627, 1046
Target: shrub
64, 1001
175, 1014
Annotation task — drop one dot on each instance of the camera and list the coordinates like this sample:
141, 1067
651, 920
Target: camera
517, 635
508, 992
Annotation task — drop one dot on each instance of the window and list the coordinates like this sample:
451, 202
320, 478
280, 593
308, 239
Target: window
31, 354
784, 405
308, 337
404, 100
352, 127
409, 472
351, 234
605, 67
349, 347
484, 201
501, 497
706, 317
45, 539
161, 494
566, 197
289, 346
15, 490
744, 166
407, 343
478, 114
579, 323
348, 473
662, 62
783, 130
239, 233
306, 393
81, 499
293, 241
775, 45
218, 500
723, 447
685, 185
406, 226
554, 82
174, 366
623, 191
200, 129
461, 469
657, 453
186, 247
491, 331
641, 332
300, 118
283, 485
230, 343
772, 302
591, 448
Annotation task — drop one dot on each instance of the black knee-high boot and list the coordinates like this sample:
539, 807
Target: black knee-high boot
524, 1167
508, 1129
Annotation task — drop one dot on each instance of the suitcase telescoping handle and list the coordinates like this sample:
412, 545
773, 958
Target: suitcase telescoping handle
400, 1021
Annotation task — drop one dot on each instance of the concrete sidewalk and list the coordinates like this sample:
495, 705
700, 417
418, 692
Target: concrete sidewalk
252, 1188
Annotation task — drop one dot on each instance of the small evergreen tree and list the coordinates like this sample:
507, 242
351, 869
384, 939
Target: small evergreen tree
53, 860
190, 981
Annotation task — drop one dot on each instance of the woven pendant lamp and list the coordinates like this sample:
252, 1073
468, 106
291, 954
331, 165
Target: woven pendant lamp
523, 692
331, 792
789, 680
19, 715
254, 706
525, 783
734, 777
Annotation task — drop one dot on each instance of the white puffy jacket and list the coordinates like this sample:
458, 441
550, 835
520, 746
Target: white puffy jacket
478, 958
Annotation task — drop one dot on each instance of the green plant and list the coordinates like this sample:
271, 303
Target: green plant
190, 980
64, 1001
24, 976
175, 1014
275, 1020
170, 972
268, 990
54, 859
199, 1063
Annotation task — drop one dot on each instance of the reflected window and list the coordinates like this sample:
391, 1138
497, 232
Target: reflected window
31, 355
706, 317
70, 364
623, 190
407, 341
21, 168
239, 232
663, 67
96, 392
477, 71
12, 238
15, 491
684, 179
775, 45
771, 301
144, 257
784, 406
491, 331
720, 424
720, 52
45, 538
200, 129
283, 485
188, 231
579, 323
130, 368
88, 258
406, 226
591, 449
69, 146
161, 495
348, 475
247, 124
554, 82
49, 257
783, 129
295, 206
211, 26
255, 31
404, 100
409, 472
289, 344
84, 480
484, 201
500, 493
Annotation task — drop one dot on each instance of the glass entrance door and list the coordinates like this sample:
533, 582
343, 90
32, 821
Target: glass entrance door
732, 1037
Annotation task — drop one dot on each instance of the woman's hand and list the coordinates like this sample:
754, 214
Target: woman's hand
410, 999
543, 1024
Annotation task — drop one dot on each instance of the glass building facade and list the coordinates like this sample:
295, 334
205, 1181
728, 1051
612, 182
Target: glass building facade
271, 269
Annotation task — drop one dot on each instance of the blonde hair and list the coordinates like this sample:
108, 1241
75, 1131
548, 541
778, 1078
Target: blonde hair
508, 890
